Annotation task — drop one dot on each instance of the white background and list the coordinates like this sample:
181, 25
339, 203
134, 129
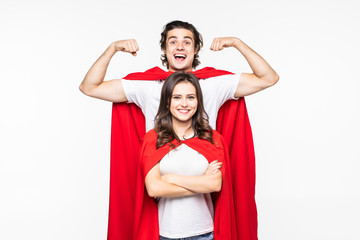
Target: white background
55, 141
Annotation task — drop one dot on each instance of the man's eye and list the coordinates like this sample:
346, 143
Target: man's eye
172, 42
187, 43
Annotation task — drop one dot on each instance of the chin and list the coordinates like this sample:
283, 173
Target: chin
182, 68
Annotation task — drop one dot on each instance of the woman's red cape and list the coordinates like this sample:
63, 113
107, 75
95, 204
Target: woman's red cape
127, 132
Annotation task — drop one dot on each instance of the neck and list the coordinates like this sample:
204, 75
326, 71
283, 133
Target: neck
179, 70
182, 129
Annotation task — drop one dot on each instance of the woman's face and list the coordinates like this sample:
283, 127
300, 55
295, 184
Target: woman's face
183, 104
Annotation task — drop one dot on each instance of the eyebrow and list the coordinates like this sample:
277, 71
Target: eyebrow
188, 37
178, 94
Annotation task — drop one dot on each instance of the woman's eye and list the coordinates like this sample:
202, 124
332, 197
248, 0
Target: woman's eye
191, 97
176, 98
187, 43
172, 42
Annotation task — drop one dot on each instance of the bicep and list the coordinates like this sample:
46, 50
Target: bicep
249, 83
112, 91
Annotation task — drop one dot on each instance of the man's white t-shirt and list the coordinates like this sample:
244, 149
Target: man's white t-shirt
146, 94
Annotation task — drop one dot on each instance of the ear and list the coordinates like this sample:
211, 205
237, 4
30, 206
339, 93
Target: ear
197, 49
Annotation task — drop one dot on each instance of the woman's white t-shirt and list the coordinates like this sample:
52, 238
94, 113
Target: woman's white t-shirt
185, 216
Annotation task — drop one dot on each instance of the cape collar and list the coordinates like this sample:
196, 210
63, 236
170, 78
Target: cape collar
157, 73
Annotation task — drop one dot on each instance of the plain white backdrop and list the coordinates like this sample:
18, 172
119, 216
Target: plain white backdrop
55, 141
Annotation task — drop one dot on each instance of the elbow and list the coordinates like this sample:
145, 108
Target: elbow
151, 194
217, 187
270, 80
217, 183
274, 79
84, 89
152, 191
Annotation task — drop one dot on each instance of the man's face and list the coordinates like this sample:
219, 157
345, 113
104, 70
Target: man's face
180, 49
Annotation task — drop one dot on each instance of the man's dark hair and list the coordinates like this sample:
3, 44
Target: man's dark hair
185, 25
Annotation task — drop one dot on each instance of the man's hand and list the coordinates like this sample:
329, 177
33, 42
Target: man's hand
213, 167
129, 45
220, 43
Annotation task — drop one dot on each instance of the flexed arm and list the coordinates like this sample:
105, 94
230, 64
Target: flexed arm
94, 85
263, 75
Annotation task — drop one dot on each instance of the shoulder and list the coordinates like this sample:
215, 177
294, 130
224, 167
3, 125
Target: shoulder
154, 73
216, 134
150, 135
136, 88
219, 81
224, 76
140, 81
218, 139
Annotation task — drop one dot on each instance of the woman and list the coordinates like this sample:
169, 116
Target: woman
181, 161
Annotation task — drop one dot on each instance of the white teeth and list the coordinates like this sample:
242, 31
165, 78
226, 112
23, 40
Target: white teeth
183, 111
180, 55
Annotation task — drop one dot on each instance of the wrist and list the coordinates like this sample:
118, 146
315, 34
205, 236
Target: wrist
112, 48
238, 43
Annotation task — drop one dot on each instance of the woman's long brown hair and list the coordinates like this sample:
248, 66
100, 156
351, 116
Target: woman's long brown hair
163, 119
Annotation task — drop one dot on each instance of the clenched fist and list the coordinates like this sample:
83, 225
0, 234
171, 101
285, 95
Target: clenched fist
128, 45
223, 42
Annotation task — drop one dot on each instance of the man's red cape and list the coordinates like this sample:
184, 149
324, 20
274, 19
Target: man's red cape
128, 129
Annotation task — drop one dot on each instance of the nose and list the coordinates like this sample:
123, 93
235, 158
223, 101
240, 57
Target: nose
184, 102
179, 46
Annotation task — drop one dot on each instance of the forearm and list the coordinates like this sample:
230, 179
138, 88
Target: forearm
161, 188
258, 65
198, 184
95, 76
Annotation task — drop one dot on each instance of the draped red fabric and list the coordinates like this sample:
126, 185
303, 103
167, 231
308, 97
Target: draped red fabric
128, 129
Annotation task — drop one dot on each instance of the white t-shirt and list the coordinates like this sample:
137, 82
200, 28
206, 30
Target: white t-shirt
146, 94
185, 216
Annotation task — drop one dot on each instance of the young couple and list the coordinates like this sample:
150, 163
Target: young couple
181, 133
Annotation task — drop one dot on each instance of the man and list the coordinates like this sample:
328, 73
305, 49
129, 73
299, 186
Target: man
180, 43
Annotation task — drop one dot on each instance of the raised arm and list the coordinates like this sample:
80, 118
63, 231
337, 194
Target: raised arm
263, 75
94, 85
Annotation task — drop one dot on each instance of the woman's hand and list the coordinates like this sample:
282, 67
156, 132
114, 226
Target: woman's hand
213, 167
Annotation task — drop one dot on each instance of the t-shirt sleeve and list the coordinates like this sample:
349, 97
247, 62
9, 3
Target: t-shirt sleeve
220, 89
138, 91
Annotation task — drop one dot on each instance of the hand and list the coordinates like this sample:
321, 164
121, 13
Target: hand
213, 167
129, 45
223, 42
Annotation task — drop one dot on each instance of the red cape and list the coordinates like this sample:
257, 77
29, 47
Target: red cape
128, 129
